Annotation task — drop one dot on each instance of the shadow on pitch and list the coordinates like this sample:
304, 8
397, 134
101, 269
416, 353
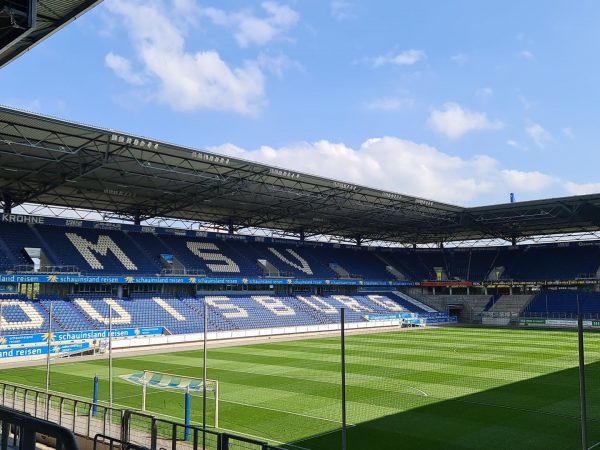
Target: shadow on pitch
537, 413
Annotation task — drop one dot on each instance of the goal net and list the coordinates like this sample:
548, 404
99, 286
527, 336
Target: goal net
161, 380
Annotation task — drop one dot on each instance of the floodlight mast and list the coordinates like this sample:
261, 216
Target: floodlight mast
204, 375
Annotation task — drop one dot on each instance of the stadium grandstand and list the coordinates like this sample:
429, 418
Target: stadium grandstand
108, 239
263, 250
266, 251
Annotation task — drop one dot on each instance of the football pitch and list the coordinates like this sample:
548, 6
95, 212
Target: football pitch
445, 388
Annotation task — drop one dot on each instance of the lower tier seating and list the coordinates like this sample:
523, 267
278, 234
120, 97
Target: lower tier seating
564, 304
180, 315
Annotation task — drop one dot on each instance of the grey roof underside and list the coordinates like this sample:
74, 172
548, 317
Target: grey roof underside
55, 162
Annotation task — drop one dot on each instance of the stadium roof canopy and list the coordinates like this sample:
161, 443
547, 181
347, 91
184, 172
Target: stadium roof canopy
25, 23
54, 162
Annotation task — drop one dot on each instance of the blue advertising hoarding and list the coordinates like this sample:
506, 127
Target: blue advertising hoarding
103, 279
63, 336
39, 350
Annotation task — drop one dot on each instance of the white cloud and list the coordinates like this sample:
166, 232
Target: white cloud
568, 131
405, 58
391, 103
277, 64
582, 188
249, 28
122, 68
342, 10
453, 121
517, 145
524, 101
528, 181
182, 79
32, 105
406, 167
460, 58
538, 135
485, 92
526, 54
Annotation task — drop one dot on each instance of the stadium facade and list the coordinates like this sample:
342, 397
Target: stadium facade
263, 251
344, 245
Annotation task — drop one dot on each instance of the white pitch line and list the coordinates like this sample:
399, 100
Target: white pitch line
423, 393
251, 406
594, 446
416, 389
284, 411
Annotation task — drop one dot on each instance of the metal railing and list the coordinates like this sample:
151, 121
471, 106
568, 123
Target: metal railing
193, 272
141, 430
30, 268
78, 415
156, 433
25, 428
109, 443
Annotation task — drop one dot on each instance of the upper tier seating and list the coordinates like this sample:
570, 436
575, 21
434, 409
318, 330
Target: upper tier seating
549, 262
114, 252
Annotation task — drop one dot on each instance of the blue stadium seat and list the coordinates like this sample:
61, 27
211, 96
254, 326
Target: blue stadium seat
184, 315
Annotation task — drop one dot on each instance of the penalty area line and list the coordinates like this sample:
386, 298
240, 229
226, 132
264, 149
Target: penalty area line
249, 405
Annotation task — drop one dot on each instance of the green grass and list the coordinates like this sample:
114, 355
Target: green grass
445, 388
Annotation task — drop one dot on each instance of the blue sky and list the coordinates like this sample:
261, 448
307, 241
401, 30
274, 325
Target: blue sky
459, 101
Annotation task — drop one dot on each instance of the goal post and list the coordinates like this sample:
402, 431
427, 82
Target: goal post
163, 380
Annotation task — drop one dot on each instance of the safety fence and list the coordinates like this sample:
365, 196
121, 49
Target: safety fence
102, 423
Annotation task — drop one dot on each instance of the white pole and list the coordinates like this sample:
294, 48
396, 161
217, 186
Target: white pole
204, 374
49, 349
48, 361
216, 404
110, 379
144, 396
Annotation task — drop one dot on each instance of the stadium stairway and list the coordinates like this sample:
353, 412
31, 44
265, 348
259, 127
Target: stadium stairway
149, 246
472, 306
510, 304
409, 302
47, 249
65, 314
216, 319
7, 259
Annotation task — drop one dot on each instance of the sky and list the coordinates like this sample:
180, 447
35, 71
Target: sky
458, 101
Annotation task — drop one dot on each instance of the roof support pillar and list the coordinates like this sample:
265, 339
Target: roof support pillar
302, 236
137, 217
513, 240
7, 203
359, 240
230, 227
